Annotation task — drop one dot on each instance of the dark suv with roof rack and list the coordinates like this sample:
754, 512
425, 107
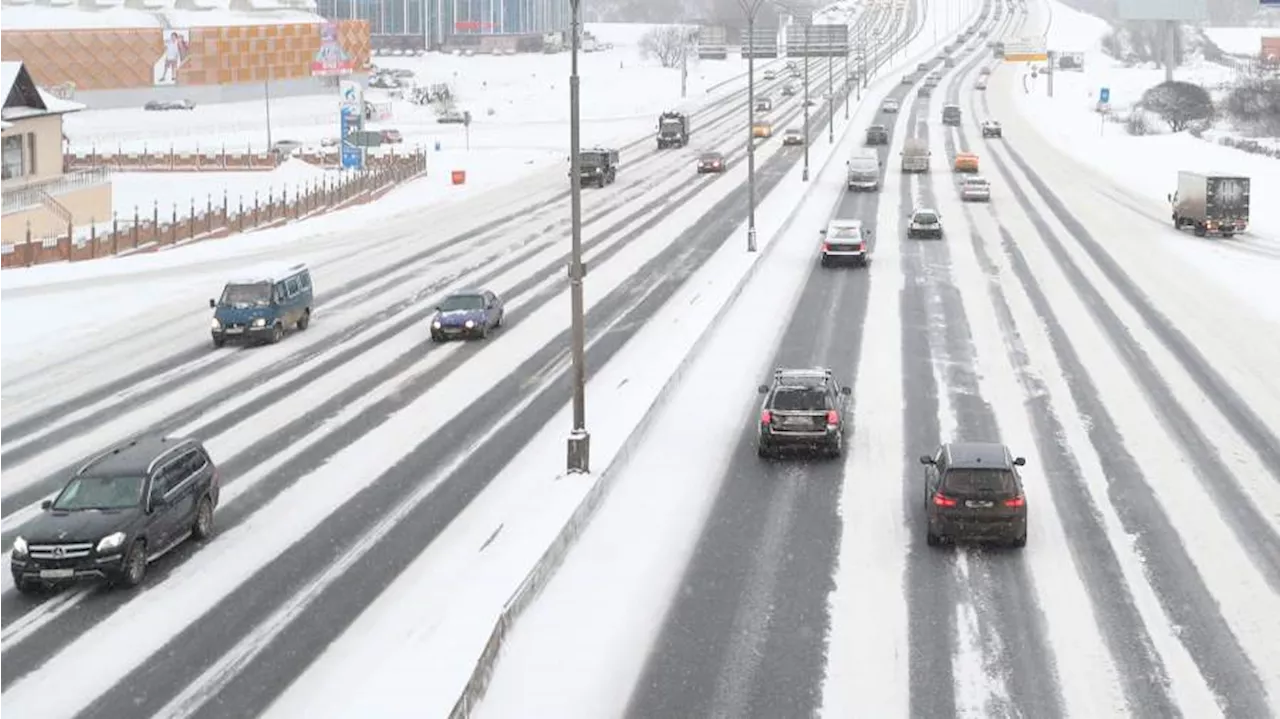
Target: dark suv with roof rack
123, 509
804, 409
972, 490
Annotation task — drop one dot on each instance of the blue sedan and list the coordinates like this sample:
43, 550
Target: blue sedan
467, 315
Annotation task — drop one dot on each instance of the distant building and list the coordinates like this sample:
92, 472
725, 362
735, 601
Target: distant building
448, 24
38, 196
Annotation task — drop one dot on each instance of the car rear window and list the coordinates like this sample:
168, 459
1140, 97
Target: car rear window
925, 218
981, 481
799, 398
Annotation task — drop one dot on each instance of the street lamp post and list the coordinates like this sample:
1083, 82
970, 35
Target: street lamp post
751, 7
831, 108
805, 175
579, 448
847, 80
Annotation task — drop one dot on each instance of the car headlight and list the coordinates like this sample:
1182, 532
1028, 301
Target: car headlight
259, 322
111, 542
215, 324
436, 324
470, 325
19, 547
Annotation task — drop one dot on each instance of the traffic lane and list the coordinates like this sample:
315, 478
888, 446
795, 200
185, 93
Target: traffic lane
191, 651
931, 587
1179, 585
1000, 587
1142, 670
770, 519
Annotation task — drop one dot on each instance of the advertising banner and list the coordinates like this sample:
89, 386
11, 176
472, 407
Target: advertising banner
351, 120
177, 48
331, 59
1181, 10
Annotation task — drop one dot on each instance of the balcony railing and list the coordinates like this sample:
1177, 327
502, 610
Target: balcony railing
29, 195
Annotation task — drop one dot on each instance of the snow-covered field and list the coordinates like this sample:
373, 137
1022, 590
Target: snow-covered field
1144, 169
1240, 40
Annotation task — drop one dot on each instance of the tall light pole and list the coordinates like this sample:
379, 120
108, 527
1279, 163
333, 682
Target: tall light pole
579, 448
751, 7
847, 81
831, 108
805, 175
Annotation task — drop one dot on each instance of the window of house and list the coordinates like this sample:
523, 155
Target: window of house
12, 157
31, 154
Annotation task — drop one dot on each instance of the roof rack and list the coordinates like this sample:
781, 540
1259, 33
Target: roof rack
115, 449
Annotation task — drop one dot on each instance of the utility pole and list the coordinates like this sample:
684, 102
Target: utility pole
266, 96
831, 108
750, 7
579, 447
847, 81
805, 175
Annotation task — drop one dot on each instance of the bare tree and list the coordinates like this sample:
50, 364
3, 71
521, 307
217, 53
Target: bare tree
667, 44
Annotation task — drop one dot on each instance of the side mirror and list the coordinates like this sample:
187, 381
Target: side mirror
846, 391
763, 389
1020, 461
438, 309
926, 459
213, 304
1169, 197
46, 504
822, 232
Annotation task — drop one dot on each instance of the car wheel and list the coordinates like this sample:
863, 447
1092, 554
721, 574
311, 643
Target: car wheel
1020, 541
763, 451
277, 332
932, 539
435, 337
202, 528
497, 324
826, 262
483, 331
304, 321
836, 449
135, 565
218, 342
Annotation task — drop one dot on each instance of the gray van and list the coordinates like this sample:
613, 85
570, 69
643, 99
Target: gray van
262, 305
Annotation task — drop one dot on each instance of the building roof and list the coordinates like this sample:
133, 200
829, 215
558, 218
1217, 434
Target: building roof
41, 17
22, 99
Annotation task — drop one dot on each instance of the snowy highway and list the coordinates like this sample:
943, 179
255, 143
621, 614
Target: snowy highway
382, 501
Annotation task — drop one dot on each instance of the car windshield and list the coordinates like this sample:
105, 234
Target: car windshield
877, 128
100, 493
981, 481
844, 233
591, 159
672, 125
926, 218
711, 157
462, 302
245, 295
980, 184
799, 398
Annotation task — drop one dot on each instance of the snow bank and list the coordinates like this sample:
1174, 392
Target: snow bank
1240, 40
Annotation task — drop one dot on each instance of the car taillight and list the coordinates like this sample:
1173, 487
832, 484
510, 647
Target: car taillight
833, 417
766, 417
1018, 501
826, 247
943, 500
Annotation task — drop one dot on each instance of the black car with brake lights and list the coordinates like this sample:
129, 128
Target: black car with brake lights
711, 162
803, 410
973, 491
123, 509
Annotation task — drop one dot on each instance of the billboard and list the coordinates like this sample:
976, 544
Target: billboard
1025, 49
762, 42
350, 120
331, 59
822, 40
122, 58
1180, 10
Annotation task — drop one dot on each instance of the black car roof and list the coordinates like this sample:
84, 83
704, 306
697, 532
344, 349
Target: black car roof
977, 455
135, 456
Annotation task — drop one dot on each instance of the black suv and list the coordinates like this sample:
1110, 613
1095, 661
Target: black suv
804, 409
123, 509
972, 490
877, 135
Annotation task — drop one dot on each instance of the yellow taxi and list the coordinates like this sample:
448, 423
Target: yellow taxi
762, 129
966, 162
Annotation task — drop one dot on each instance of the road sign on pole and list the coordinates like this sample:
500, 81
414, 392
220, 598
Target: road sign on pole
1026, 49
1104, 96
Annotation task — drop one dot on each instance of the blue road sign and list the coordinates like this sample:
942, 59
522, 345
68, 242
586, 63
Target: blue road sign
1104, 95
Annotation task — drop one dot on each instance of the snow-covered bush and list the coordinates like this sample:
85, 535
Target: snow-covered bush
1136, 123
1254, 104
1181, 105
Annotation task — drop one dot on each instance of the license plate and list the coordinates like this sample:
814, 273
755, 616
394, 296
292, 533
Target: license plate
978, 504
796, 421
234, 330
57, 573
452, 330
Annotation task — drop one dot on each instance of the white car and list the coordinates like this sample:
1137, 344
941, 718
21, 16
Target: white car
924, 222
992, 128
975, 189
845, 240
980, 84
793, 136
890, 106
770, 75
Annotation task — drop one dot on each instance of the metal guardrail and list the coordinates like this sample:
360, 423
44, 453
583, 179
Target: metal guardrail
33, 194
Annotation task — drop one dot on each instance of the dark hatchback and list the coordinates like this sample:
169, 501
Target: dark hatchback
710, 162
973, 491
877, 135
122, 510
467, 315
803, 410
